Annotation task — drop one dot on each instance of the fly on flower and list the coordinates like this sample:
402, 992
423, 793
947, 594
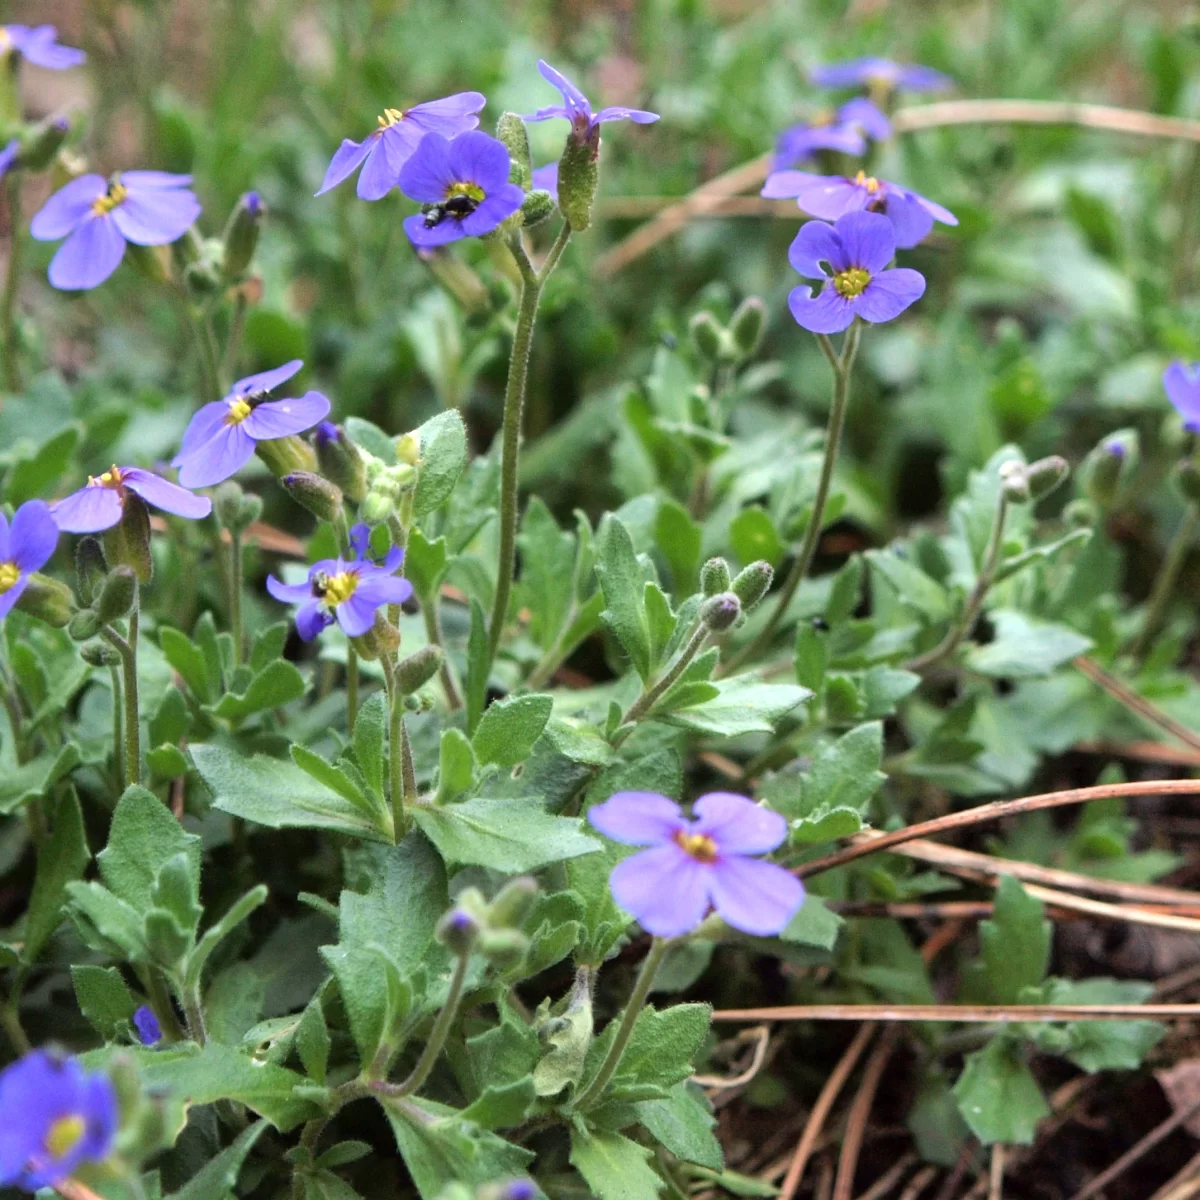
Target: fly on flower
100, 503
857, 249
1182, 385
831, 196
98, 216
25, 546
880, 74
692, 864
53, 1116
465, 181
39, 45
845, 130
345, 590
577, 109
383, 152
220, 439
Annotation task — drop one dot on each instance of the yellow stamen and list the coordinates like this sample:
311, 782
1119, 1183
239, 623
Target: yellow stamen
64, 1135
698, 845
852, 283
239, 410
867, 181
9, 574
5, 41
339, 588
110, 479
117, 194
390, 117
471, 190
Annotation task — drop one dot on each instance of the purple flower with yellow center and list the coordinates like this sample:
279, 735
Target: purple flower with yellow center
221, 437
25, 546
880, 74
384, 151
465, 181
346, 591
98, 216
1182, 385
692, 864
54, 1116
100, 503
831, 196
149, 1031
39, 45
857, 249
577, 109
845, 130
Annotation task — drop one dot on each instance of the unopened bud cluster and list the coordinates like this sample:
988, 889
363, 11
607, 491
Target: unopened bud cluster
491, 928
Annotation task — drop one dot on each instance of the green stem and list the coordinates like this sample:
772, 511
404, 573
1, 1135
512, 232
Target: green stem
203, 337
396, 739
12, 279
637, 1001
437, 1035
160, 1001
651, 695
433, 632
842, 368
235, 595
10, 1019
127, 648
1164, 584
16, 719
118, 727
351, 686
193, 1011
983, 583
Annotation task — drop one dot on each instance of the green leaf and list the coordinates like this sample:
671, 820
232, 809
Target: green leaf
813, 925
278, 684
547, 563
278, 794
753, 535
372, 439
614, 1167
662, 1045
240, 911
34, 779
884, 687
105, 923
683, 1124
62, 857
913, 587
370, 731
372, 806
268, 646
660, 620
188, 659
509, 728
812, 656
103, 999
425, 562
374, 995
443, 457
35, 474
1042, 554
218, 1177
477, 665
623, 583
843, 775
503, 1105
735, 1184
1025, 648
456, 766
508, 835
579, 740
743, 705
935, 1122
678, 537
313, 1042
1015, 942
998, 1096
568, 1039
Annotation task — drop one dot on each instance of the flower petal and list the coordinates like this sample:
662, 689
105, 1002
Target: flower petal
89, 256
1182, 385
67, 208
289, 593
889, 294
639, 116
33, 536
815, 245
4, 537
573, 99
756, 897
267, 381
868, 117
163, 494
214, 461
911, 223
356, 615
88, 510
826, 313
665, 889
548, 113
345, 161
207, 421
638, 818
833, 197
852, 73
311, 619
738, 825
546, 179
428, 174
499, 206
40, 47
783, 185
383, 589
378, 175
282, 418
868, 239
8, 600
479, 159
923, 79
424, 236
155, 216
450, 115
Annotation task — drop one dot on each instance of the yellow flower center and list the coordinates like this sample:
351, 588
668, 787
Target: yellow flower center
64, 1135
117, 194
698, 845
239, 410
823, 118
390, 117
852, 283
337, 589
110, 479
867, 181
9, 574
5, 41
472, 191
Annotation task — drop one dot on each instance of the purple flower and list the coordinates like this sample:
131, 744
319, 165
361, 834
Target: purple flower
880, 73
466, 180
385, 150
8, 156
1182, 385
845, 130
220, 438
695, 863
857, 248
346, 591
831, 196
53, 1116
98, 216
149, 1031
578, 110
546, 179
39, 45
24, 547
100, 503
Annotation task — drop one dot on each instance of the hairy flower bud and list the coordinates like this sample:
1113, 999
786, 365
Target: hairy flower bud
1014, 483
753, 583
84, 624
152, 263
748, 325
47, 600
408, 448
458, 930
128, 541
117, 596
90, 568
537, 207
1044, 475
235, 510
413, 672
322, 498
721, 611
98, 654
340, 460
707, 335
510, 130
1080, 514
512, 903
503, 947
579, 177
1109, 466
241, 236
287, 454
714, 577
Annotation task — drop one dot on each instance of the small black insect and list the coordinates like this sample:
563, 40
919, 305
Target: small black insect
820, 624
318, 584
456, 206
433, 217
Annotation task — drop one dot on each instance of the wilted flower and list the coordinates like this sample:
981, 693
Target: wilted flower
100, 503
880, 72
348, 591
693, 864
466, 182
845, 130
831, 196
38, 44
858, 248
146, 1023
98, 216
385, 150
53, 1116
577, 109
25, 547
221, 437
1182, 385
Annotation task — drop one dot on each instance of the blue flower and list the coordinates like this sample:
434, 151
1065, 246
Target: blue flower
53, 1116
1181, 382
149, 1031
25, 546
845, 130
39, 45
578, 109
880, 73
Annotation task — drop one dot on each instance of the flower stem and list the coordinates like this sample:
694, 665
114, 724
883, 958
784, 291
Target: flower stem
437, 1035
209, 370
193, 1011
12, 278
433, 632
235, 595
651, 695
127, 649
233, 344
637, 1001
351, 687
118, 734
1164, 584
842, 366
396, 740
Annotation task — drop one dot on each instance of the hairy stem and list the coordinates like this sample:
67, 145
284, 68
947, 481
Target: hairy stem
235, 595
396, 740
438, 1034
12, 279
127, 649
1164, 584
118, 734
351, 686
652, 694
435, 636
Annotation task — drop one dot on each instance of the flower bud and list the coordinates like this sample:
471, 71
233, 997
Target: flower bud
1046, 474
748, 325
152, 263
235, 509
118, 595
127, 543
714, 577
1080, 514
503, 947
204, 278
753, 583
458, 930
512, 902
47, 600
84, 624
90, 568
707, 335
41, 143
241, 236
322, 498
287, 454
99, 654
413, 672
1109, 466
510, 130
579, 177
188, 249
537, 207
382, 638
1187, 480
340, 460
1014, 484
408, 448
721, 611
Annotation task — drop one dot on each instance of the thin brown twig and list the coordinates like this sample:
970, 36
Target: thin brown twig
1183, 1184
889, 1178
860, 1112
761, 1036
918, 1183
970, 1014
1136, 703
996, 1173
